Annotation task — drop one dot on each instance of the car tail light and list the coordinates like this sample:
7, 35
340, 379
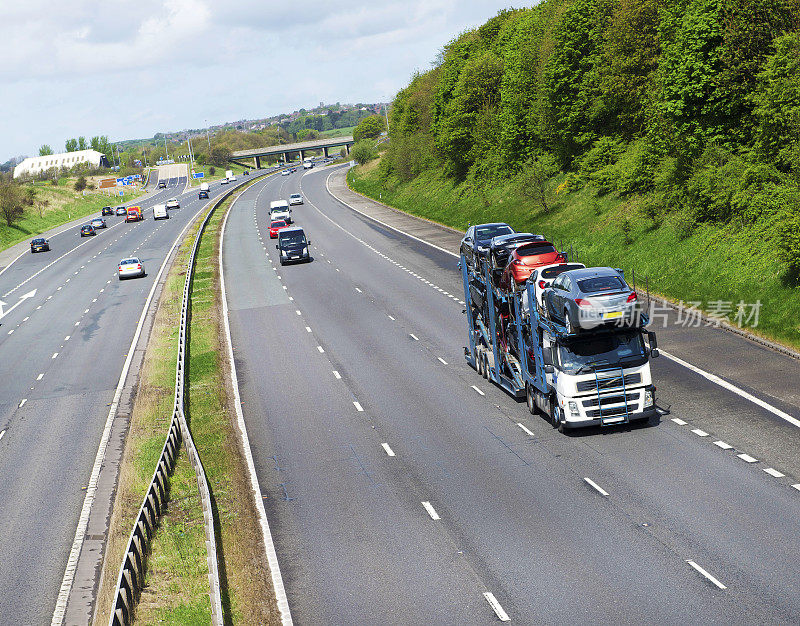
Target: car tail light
120, 268
632, 297
582, 302
138, 266
542, 284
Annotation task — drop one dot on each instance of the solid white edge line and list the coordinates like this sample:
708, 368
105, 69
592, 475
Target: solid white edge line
91, 489
705, 574
397, 230
526, 429
734, 389
389, 451
269, 545
602, 491
431, 511
496, 607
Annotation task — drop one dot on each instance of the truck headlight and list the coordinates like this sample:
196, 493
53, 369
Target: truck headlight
305, 251
648, 398
573, 408
283, 252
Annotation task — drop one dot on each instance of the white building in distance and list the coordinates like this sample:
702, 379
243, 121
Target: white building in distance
38, 164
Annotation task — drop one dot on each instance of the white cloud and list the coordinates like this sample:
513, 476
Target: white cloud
130, 68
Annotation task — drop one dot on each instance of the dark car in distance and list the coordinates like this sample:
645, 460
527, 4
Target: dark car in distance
87, 231
121, 210
40, 244
107, 210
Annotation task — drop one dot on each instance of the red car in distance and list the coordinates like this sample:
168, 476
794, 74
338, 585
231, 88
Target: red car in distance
275, 226
525, 259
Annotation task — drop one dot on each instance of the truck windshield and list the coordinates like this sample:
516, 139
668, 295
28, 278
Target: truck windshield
582, 355
293, 239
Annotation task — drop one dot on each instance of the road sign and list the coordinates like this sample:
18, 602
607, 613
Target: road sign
120, 181
122, 193
198, 175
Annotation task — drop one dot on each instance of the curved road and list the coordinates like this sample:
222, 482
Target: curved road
403, 488
61, 354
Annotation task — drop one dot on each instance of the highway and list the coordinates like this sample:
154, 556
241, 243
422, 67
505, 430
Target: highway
61, 354
403, 488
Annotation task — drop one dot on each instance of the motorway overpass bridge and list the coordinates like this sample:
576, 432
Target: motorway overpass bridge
288, 149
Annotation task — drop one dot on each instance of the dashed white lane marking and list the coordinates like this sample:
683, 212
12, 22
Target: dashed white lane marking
358, 290
59, 289
77, 323
700, 433
747, 458
40, 376
25, 319
527, 430
431, 511
679, 421
2, 432
496, 607
734, 389
358, 406
600, 490
67, 337
389, 451
337, 375
285, 287
478, 390
11, 332
298, 312
413, 336
291, 299
22, 403
321, 349
705, 574
390, 317
723, 445
308, 329
86, 311
441, 360
773, 472
796, 486
55, 354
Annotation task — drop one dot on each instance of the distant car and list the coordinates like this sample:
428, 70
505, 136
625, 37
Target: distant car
527, 258
476, 239
173, 203
543, 277
40, 244
275, 226
293, 245
121, 210
107, 210
224, 181
98, 222
286, 172
246, 173
293, 170
295, 198
162, 184
87, 231
130, 267
591, 297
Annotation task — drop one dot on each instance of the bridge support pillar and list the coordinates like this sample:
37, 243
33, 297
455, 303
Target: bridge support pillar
325, 151
347, 145
258, 162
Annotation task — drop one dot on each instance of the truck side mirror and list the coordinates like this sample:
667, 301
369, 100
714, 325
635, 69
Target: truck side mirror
277, 247
549, 369
547, 356
651, 339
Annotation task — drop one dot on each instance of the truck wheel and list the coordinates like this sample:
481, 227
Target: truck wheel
486, 366
479, 362
555, 417
530, 400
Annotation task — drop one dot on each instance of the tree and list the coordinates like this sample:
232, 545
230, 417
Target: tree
71, 145
220, 156
12, 202
370, 127
82, 143
307, 134
363, 151
535, 180
45, 150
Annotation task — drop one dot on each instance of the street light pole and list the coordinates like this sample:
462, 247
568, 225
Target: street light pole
208, 139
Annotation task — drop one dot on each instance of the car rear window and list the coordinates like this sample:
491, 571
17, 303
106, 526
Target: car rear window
533, 249
601, 283
487, 232
278, 223
552, 272
128, 261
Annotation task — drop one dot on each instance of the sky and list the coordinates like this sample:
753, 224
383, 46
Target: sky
131, 68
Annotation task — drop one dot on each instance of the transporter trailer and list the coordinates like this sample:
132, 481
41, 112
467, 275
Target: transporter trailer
595, 377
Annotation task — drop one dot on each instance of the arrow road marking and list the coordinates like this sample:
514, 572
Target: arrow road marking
22, 299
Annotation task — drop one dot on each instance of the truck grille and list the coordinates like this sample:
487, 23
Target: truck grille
611, 382
608, 400
617, 410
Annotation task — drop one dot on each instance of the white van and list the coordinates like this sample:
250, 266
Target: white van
160, 212
280, 210
229, 175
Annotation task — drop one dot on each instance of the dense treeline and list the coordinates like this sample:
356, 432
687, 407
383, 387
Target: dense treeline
692, 104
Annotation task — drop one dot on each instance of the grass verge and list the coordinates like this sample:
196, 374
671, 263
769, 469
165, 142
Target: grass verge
63, 205
176, 589
717, 266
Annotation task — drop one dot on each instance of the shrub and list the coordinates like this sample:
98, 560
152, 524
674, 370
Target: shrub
369, 128
363, 151
684, 223
789, 242
212, 170
80, 184
626, 231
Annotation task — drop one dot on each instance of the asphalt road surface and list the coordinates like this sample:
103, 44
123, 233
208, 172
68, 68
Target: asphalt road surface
403, 488
61, 354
